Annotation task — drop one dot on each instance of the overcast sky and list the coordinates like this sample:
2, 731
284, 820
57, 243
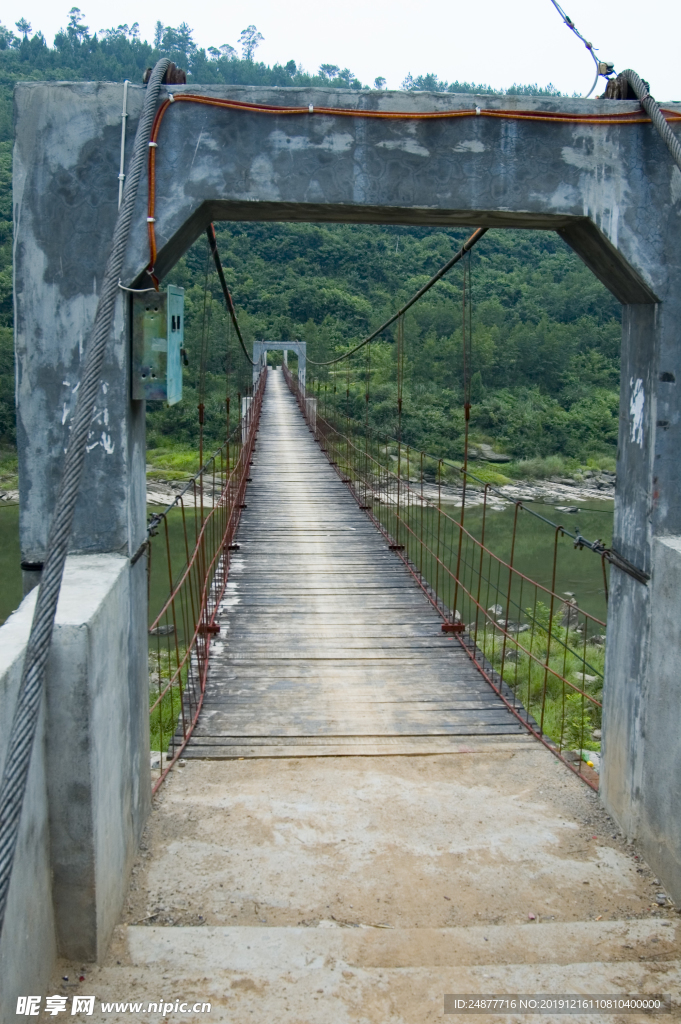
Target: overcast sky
491, 42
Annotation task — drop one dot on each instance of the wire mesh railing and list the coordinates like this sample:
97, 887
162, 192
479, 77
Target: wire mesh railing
542, 653
189, 550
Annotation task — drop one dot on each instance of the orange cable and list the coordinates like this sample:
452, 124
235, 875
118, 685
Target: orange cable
395, 115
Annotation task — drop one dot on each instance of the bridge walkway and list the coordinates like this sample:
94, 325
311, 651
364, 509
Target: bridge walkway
327, 645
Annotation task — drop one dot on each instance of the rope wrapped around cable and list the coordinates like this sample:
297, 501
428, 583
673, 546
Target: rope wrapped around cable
24, 723
653, 111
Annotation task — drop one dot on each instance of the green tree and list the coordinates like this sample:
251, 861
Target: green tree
76, 30
250, 40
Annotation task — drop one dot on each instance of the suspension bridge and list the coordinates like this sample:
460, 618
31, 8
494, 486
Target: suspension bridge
325, 602
327, 646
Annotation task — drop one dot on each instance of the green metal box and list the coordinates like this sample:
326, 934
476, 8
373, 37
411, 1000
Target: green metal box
157, 345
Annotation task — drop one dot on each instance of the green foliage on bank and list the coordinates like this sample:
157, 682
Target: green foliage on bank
546, 334
536, 668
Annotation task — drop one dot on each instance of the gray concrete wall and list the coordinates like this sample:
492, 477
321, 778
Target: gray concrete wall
658, 776
56, 282
630, 610
611, 192
97, 746
90, 786
642, 712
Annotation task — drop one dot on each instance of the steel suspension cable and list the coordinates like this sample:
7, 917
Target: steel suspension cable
466, 247
603, 68
213, 242
26, 712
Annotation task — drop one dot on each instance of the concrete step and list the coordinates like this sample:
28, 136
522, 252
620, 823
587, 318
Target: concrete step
330, 973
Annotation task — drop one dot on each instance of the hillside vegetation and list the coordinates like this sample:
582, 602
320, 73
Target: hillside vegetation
545, 371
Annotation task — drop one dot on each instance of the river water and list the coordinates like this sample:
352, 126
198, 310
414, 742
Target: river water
578, 571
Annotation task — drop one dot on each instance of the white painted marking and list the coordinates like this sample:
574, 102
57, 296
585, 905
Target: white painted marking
334, 142
636, 404
469, 146
406, 146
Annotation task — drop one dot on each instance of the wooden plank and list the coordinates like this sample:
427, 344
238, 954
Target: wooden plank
327, 645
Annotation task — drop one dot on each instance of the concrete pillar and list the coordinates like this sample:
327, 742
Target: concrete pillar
301, 350
98, 779
311, 411
245, 418
97, 748
89, 785
641, 764
259, 360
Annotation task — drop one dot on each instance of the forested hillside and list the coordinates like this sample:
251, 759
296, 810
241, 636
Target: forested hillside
545, 332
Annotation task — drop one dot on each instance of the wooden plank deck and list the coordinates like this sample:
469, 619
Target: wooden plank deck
327, 645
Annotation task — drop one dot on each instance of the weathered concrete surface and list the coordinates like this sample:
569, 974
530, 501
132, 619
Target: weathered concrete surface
611, 192
658, 769
56, 283
88, 795
362, 889
97, 745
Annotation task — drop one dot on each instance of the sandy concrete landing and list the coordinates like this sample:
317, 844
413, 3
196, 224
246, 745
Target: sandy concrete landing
363, 889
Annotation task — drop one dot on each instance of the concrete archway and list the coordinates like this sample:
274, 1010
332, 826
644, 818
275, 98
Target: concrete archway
261, 348
610, 191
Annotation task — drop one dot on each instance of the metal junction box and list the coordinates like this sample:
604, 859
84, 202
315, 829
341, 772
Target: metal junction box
158, 345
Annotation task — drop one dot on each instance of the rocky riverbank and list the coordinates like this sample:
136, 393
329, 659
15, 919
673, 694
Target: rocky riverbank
561, 492
558, 491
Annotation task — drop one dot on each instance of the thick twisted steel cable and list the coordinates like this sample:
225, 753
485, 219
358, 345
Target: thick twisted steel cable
466, 247
655, 114
25, 721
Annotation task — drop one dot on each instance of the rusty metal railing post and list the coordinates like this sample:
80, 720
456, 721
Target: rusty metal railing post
558, 532
518, 506
439, 518
482, 553
421, 546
